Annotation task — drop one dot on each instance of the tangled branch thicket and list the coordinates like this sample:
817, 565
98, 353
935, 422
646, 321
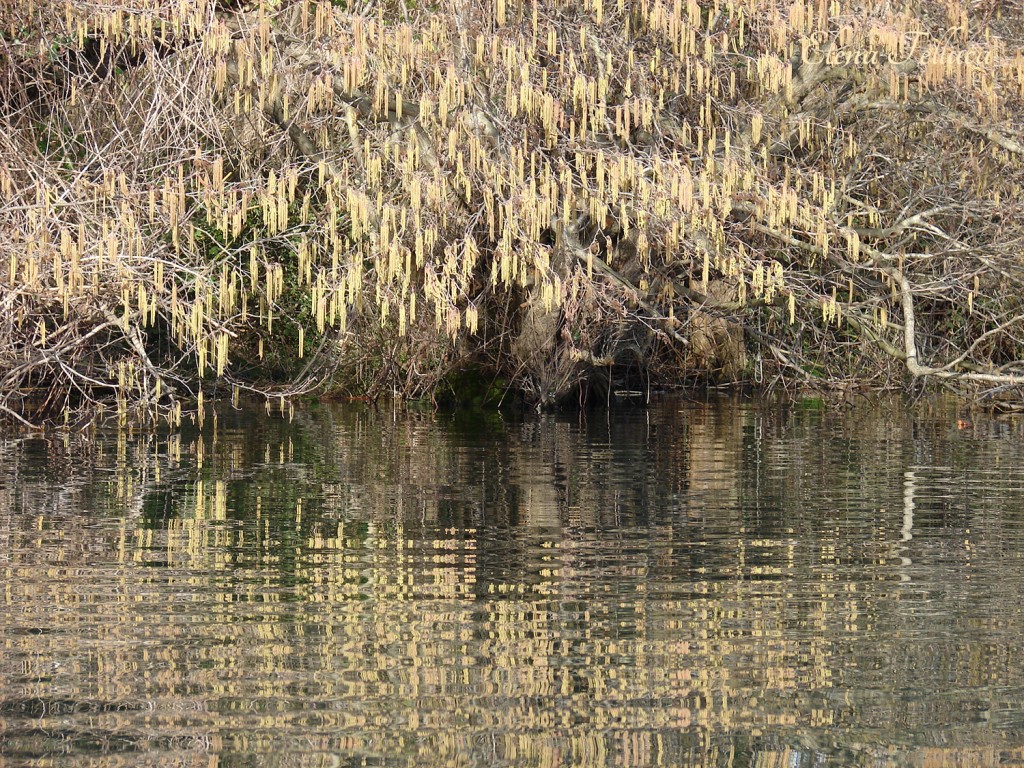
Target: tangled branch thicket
204, 198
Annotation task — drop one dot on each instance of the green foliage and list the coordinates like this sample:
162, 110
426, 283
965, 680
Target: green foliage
473, 387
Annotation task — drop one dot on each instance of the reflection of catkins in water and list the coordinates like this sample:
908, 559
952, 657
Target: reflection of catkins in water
503, 588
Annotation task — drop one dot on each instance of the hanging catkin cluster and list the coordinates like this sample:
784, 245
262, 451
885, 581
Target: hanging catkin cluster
195, 189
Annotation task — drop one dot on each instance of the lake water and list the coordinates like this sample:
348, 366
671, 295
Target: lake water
719, 584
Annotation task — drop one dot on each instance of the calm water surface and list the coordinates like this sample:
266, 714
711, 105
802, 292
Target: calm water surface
687, 585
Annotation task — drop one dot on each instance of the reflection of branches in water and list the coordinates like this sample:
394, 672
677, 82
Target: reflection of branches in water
366, 572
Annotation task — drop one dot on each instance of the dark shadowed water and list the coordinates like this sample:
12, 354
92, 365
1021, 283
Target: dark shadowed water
687, 585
